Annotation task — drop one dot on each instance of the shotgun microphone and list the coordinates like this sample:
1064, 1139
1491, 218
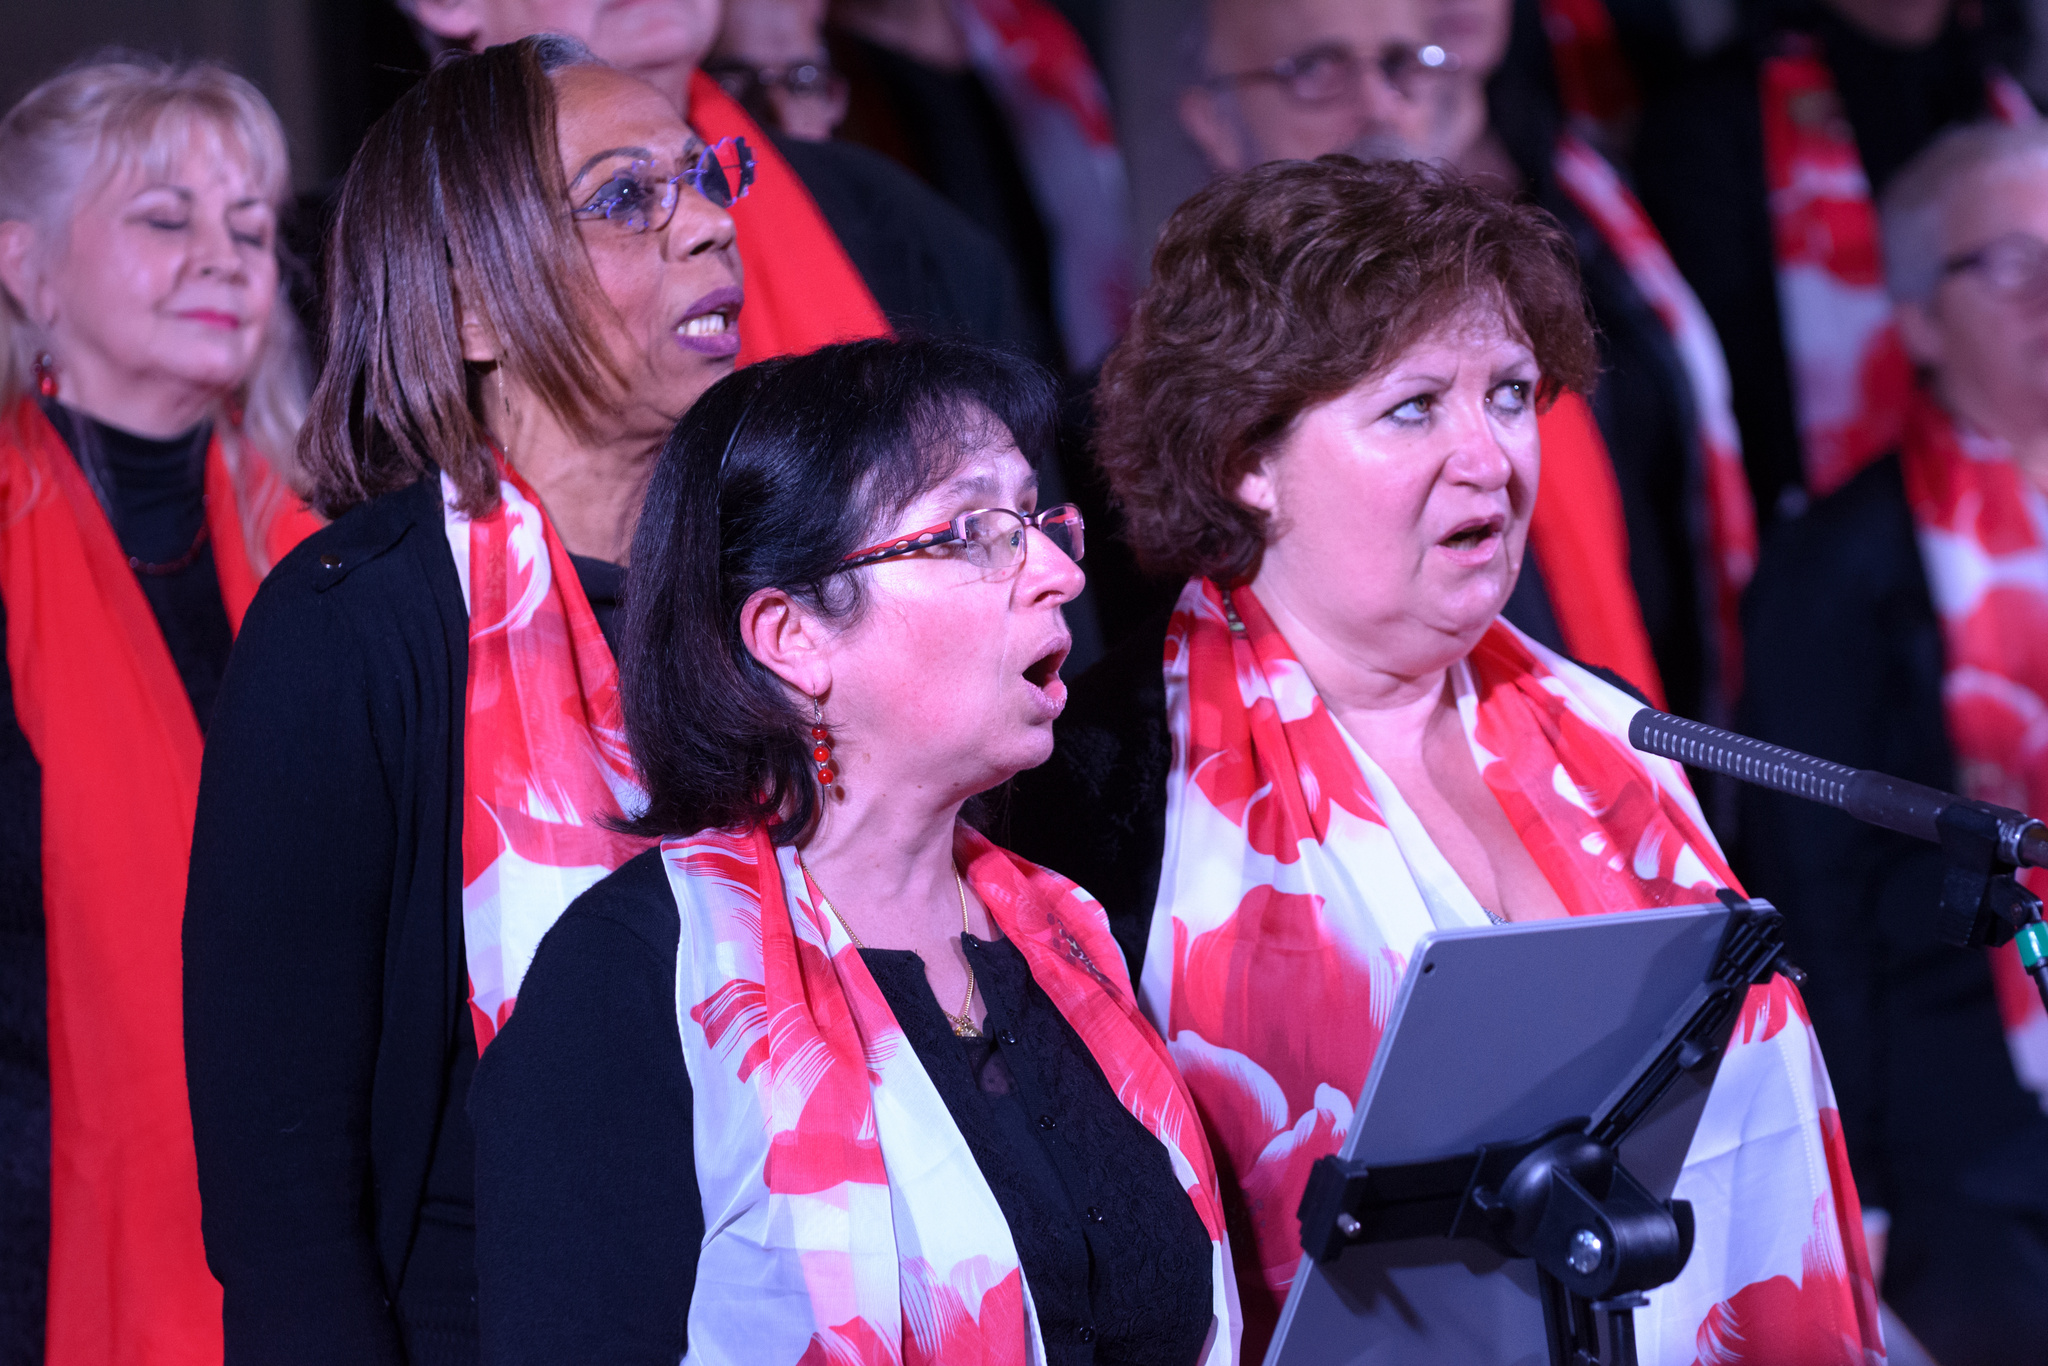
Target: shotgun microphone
1982, 902
1874, 798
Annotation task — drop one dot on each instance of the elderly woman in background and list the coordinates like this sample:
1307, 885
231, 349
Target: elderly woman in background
148, 377
828, 1076
532, 274
1899, 626
1326, 416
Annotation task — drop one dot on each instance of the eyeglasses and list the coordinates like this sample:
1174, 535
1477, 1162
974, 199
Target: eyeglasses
2015, 266
636, 197
742, 80
993, 538
1331, 72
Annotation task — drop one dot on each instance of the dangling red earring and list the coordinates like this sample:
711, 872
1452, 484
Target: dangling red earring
46, 375
821, 746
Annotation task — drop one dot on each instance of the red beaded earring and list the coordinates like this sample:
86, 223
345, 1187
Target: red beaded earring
46, 375
821, 746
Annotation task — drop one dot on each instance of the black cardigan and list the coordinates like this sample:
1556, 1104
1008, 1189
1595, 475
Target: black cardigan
589, 1216
327, 1036
325, 997
1845, 661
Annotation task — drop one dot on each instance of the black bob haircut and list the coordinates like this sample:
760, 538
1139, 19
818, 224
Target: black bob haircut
774, 476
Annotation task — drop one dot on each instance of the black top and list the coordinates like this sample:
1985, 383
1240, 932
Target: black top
589, 1218
1846, 662
1699, 163
930, 266
945, 126
154, 492
328, 1042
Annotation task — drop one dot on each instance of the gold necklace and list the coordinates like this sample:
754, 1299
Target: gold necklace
963, 1023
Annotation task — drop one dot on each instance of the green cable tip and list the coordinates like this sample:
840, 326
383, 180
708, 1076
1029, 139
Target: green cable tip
2033, 942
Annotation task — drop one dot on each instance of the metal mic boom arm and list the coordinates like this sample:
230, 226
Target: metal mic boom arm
1982, 902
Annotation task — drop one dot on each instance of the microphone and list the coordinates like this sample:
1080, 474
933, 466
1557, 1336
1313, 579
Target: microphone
1982, 903
1874, 798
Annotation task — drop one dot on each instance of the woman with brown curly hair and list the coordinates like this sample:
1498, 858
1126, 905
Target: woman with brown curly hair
1325, 417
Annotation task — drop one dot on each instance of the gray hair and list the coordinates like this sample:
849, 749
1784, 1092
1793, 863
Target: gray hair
1914, 205
99, 120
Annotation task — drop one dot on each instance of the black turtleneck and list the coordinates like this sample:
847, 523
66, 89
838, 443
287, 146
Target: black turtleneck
154, 493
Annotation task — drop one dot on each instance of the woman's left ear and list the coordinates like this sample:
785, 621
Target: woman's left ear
18, 275
1255, 489
788, 639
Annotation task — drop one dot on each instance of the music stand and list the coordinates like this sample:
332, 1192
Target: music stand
1504, 1192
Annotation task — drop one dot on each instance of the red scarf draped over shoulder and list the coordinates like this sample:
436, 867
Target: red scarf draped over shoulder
102, 706
1581, 547
802, 289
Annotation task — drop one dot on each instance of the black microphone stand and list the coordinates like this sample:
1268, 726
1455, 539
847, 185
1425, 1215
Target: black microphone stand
1983, 904
1563, 1198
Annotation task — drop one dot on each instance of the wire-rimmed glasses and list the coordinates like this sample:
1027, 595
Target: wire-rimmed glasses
992, 538
2015, 266
636, 196
1330, 72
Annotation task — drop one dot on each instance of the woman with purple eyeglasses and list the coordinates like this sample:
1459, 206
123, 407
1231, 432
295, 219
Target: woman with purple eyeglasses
827, 1076
418, 743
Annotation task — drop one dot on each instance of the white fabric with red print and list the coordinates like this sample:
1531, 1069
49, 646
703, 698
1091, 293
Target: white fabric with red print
1982, 526
1296, 882
544, 758
846, 1218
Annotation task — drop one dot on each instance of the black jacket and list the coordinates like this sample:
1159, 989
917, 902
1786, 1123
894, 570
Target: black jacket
325, 997
1845, 661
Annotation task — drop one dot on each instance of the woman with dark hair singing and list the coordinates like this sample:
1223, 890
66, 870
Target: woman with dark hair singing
1324, 416
828, 1076
532, 275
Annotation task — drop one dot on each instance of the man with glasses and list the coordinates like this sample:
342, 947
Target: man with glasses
1287, 79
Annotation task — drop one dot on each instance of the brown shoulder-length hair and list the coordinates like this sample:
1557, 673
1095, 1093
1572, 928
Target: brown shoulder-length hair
1283, 286
457, 194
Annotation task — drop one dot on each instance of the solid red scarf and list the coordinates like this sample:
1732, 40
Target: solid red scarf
802, 289
100, 701
1581, 547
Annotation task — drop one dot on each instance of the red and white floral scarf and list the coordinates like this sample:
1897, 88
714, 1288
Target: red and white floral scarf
848, 1221
1983, 533
1058, 111
1850, 374
544, 756
1730, 514
1851, 378
1296, 882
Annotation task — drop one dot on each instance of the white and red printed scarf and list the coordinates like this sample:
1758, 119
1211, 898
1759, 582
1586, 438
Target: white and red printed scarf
544, 756
1983, 532
1057, 108
1851, 378
1296, 882
1730, 514
848, 1221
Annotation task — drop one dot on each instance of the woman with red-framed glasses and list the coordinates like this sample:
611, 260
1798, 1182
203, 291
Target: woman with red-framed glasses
828, 1075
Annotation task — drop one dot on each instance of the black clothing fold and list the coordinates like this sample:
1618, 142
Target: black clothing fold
590, 1221
327, 1029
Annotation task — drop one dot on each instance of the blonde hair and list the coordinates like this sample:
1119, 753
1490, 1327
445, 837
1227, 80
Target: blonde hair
128, 111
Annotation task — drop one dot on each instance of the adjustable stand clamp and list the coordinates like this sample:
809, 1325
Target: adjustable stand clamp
1599, 1238
1983, 904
